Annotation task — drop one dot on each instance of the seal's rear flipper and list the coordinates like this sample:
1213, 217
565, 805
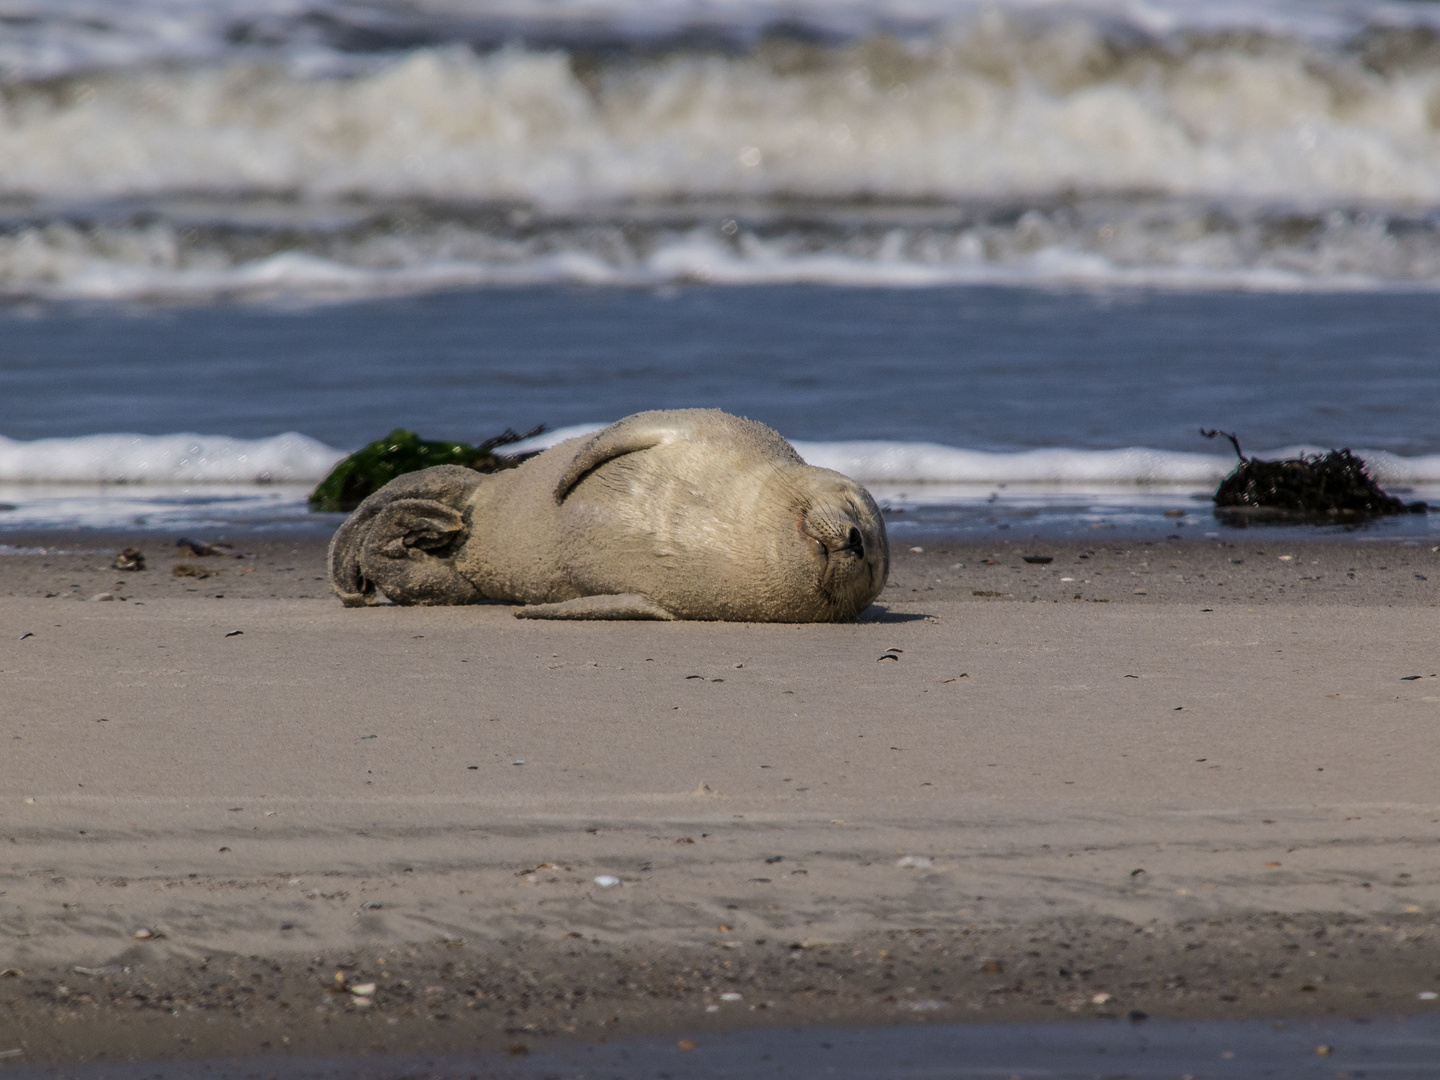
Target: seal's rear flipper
401, 539
621, 606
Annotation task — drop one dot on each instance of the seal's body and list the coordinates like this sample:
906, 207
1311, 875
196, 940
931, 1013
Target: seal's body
691, 514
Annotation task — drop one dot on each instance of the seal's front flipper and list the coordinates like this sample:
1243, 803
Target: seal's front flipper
621, 606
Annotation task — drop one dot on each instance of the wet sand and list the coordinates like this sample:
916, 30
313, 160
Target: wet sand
1206, 787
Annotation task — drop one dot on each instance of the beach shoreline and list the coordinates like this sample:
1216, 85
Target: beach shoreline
538, 994
1202, 789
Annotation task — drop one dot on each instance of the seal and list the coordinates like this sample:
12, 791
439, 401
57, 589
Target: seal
676, 514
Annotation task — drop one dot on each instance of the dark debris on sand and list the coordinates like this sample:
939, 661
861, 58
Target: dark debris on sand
1320, 488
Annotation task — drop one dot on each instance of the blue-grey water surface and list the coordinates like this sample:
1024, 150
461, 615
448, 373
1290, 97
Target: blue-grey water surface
981, 368
991, 369
1334, 1049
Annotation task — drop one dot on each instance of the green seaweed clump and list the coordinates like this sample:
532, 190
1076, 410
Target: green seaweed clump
1319, 488
372, 467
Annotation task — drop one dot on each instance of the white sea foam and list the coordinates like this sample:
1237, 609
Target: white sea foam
167, 262
185, 459
1079, 142
931, 463
994, 106
893, 462
166, 459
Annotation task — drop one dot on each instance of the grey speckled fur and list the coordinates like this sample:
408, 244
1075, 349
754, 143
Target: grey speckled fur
688, 514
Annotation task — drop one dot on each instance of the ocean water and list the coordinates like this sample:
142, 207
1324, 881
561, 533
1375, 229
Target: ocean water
968, 411
997, 260
1397, 1049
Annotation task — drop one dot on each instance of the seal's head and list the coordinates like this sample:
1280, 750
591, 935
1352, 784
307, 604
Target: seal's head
842, 542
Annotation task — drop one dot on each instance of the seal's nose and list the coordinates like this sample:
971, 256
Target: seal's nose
854, 542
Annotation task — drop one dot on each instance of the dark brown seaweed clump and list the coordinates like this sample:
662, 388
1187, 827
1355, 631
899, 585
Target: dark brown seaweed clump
1320, 488
372, 467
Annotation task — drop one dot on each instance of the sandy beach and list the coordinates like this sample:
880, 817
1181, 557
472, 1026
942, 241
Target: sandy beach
1181, 778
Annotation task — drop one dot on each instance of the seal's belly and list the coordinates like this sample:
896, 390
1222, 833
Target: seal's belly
514, 552
702, 546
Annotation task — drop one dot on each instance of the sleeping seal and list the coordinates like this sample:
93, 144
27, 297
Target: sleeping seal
681, 514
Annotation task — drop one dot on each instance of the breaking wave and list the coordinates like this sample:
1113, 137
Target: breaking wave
291, 458
1158, 245
1127, 243
200, 149
932, 463
166, 459
997, 106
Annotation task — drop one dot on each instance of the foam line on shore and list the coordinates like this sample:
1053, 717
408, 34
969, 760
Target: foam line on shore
293, 458
920, 463
166, 459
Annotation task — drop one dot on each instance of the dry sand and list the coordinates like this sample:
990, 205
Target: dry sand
1196, 780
